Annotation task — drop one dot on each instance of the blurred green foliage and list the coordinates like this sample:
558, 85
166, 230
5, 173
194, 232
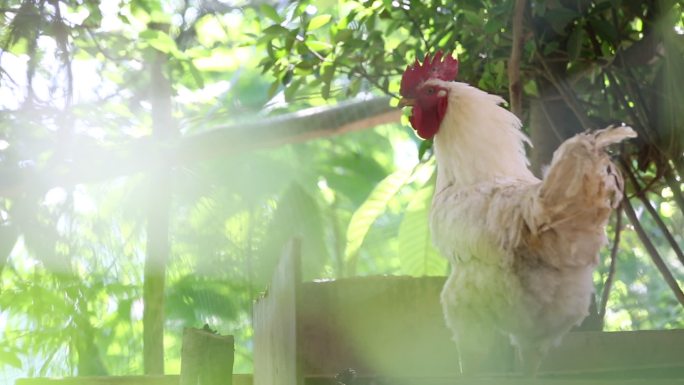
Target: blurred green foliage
75, 75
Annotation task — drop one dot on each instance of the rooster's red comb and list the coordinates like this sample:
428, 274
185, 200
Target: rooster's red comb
443, 68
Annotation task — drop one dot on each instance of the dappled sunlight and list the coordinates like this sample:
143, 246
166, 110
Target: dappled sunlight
184, 144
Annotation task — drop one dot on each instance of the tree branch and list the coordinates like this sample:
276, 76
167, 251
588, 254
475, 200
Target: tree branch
417, 27
653, 252
514, 84
565, 93
157, 249
91, 162
641, 194
674, 186
607, 286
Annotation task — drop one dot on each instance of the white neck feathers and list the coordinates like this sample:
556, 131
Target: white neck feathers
478, 140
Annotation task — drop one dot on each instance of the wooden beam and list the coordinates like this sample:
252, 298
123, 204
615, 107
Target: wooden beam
502, 380
297, 127
93, 162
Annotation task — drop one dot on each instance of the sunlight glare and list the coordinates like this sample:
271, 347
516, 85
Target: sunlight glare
75, 18
12, 92
405, 153
137, 310
83, 202
55, 196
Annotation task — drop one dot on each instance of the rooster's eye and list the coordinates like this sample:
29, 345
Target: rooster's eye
430, 90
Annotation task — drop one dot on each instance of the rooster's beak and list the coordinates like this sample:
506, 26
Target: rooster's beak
404, 102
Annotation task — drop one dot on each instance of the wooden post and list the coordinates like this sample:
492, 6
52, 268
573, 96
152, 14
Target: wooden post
206, 358
276, 356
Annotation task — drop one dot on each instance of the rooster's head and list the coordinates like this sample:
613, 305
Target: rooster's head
428, 99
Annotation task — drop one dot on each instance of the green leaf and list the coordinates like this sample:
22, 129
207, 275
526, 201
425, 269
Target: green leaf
10, 359
287, 77
605, 31
343, 35
271, 13
316, 45
559, 18
196, 74
354, 87
297, 215
327, 73
273, 89
369, 211
19, 46
275, 30
416, 253
425, 146
318, 22
472, 17
575, 42
291, 90
600, 7
159, 40
94, 18
550, 47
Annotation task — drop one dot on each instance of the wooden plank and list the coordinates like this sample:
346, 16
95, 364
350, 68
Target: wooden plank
238, 379
104, 380
246, 379
377, 326
275, 324
490, 381
394, 326
206, 358
243, 379
643, 350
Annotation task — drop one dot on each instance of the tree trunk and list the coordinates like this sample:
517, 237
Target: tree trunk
159, 204
551, 123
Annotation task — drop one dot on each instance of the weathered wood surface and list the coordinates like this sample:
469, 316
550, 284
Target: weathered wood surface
246, 379
490, 381
386, 325
104, 380
276, 359
377, 326
206, 358
238, 379
650, 352
394, 326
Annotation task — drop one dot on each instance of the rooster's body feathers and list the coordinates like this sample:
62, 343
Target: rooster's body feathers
522, 250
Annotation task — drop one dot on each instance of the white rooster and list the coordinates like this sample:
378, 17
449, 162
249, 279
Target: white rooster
522, 250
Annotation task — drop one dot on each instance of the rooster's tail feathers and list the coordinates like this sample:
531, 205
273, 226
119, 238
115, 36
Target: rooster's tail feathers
582, 178
612, 134
577, 195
